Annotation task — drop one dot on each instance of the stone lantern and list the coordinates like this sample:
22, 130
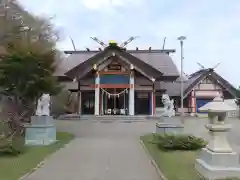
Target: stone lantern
217, 159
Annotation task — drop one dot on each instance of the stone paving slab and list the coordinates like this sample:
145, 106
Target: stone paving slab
111, 151
104, 155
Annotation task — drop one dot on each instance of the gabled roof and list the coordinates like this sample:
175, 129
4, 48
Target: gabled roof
85, 67
155, 62
173, 89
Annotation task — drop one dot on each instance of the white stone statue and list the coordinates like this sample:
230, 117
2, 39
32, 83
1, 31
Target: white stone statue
168, 106
43, 105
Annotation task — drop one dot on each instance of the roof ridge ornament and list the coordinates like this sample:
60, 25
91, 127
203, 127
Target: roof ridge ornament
211, 69
113, 42
99, 42
125, 43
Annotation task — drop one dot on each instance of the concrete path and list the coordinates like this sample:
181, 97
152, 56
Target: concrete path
111, 151
101, 151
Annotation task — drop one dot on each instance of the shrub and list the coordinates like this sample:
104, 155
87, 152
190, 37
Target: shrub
63, 103
233, 178
179, 142
10, 143
16, 146
12, 146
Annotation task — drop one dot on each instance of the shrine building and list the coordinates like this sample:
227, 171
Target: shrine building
118, 81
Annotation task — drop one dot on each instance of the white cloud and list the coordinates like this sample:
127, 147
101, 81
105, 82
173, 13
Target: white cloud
212, 27
106, 4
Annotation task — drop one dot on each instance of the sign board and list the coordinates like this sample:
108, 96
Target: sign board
114, 67
142, 95
207, 93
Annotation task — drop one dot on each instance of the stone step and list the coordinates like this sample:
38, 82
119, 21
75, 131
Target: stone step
107, 117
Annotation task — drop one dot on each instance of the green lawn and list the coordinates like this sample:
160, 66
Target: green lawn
13, 168
176, 165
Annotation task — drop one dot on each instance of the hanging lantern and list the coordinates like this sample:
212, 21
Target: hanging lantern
109, 96
127, 91
118, 95
131, 66
95, 67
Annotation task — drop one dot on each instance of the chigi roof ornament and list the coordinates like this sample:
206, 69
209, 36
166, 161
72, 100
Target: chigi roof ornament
113, 43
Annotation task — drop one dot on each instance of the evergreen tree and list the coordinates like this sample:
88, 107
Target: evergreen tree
24, 76
27, 65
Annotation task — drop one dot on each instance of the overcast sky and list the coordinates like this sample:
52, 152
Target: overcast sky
212, 27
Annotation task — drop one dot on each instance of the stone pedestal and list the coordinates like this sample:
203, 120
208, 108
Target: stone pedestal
213, 165
169, 128
168, 125
218, 142
218, 160
41, 131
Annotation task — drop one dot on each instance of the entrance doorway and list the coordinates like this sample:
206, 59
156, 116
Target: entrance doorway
114, 101
87, 102
142, 103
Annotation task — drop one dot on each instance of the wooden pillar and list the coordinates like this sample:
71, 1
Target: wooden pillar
153, 100
97, 94
79, 108
132, 95
192, 103
100, 102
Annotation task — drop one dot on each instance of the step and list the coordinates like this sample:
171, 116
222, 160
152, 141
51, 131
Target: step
107, 117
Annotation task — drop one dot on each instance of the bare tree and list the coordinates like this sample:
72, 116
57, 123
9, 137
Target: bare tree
19, 27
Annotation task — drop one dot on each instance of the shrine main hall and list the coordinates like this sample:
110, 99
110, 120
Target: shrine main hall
118, 81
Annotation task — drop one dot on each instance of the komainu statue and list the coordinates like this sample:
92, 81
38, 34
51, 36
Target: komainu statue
168, 106
43, 105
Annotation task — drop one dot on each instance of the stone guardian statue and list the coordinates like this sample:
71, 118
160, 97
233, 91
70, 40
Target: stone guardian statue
43, 105
168, 106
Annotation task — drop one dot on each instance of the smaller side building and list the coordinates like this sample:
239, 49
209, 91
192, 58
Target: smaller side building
200, 88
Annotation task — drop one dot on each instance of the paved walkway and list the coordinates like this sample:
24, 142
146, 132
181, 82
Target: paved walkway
101, 151
111, 151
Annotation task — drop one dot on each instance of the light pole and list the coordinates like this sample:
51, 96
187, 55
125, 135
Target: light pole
181, 39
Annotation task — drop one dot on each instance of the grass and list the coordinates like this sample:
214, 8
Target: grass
175, 165
13, 168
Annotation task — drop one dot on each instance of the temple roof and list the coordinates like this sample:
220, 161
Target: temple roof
173, 88
153, 62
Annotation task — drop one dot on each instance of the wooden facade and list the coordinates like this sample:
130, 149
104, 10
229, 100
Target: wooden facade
204, 90
133, 82
114, 78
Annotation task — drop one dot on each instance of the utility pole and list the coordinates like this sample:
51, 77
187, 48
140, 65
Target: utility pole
181, 39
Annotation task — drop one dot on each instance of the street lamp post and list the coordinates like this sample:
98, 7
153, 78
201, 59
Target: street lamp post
181, 39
